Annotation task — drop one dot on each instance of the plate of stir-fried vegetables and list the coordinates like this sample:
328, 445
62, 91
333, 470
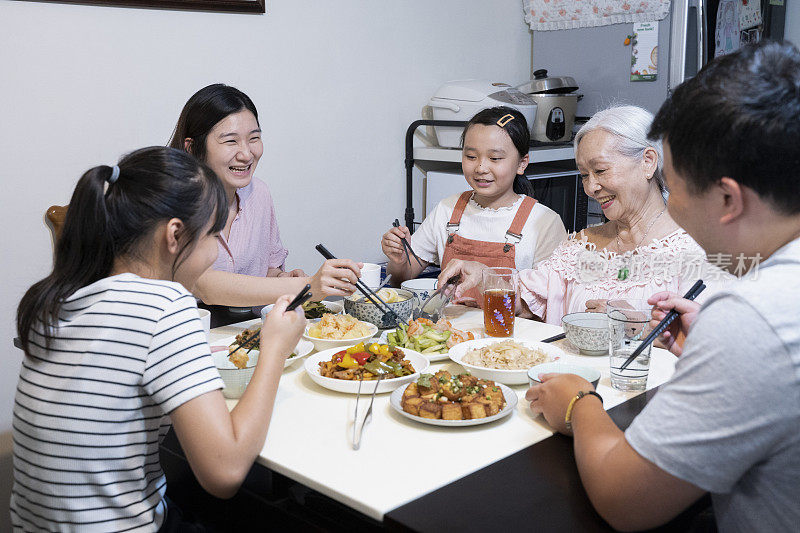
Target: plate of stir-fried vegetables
342, 369
431, 339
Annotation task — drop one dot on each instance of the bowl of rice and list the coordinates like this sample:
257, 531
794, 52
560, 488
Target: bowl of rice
503, 360
334, 331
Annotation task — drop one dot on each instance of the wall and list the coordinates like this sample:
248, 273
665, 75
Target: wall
336, 84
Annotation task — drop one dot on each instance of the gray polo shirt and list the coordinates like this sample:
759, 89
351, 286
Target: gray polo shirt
729, 419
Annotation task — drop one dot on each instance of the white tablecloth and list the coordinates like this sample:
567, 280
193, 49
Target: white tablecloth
310, 436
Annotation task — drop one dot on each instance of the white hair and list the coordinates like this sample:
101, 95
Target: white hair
630, 125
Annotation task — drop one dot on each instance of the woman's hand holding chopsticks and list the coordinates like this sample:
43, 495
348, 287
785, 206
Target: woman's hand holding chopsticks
674, 335
336, 277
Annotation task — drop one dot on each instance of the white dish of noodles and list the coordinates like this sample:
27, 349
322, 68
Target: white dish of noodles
497, 360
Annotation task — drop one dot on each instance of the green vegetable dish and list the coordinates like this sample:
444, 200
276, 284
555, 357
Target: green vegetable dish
315, 309
429, 341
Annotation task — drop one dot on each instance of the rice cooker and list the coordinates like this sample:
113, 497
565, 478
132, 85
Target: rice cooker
462, 99
557, 103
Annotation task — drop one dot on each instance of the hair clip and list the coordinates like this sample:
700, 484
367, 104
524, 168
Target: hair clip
505, 119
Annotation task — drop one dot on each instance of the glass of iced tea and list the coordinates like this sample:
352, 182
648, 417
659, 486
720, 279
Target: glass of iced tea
499, 301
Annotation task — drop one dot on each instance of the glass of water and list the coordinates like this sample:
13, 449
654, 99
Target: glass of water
628, 323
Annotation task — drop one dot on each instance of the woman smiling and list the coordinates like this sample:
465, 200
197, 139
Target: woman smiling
219, 125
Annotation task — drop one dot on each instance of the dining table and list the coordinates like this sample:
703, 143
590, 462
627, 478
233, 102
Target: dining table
514, 473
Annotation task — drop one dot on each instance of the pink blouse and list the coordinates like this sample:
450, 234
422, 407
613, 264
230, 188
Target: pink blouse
577, 272
254, 244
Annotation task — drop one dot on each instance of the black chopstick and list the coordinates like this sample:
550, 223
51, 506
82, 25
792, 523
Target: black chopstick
555, 338
302, 297
692, 293
407, 246
366, 291
247, 341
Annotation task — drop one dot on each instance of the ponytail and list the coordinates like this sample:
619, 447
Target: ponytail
84, 253
111, 212
522, 185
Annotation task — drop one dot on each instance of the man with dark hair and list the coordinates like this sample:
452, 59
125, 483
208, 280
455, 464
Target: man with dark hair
727, 422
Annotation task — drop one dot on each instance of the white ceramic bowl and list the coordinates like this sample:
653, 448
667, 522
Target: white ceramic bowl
237, 379
588, 332
333, 307
418, 361
592, 375
326, 344
509, 377
421, 287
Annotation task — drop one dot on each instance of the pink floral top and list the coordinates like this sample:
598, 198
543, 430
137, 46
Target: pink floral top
577, 271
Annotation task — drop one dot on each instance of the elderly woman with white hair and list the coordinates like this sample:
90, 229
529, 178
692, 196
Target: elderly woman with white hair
640, 250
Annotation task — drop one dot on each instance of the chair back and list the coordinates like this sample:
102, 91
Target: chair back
55, 216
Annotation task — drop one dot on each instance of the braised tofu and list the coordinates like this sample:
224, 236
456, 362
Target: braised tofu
447, 397
473, 410
412, 405
430, 410
412, 391
451, 411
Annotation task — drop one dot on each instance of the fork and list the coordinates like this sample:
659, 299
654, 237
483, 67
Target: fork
368, 416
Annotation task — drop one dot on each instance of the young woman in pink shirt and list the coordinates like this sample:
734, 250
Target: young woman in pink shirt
219, 125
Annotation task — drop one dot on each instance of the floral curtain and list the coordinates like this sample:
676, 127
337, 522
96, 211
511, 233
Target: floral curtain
567, 14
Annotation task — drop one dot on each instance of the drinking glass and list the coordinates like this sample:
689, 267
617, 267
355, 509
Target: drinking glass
628, 325
499, 300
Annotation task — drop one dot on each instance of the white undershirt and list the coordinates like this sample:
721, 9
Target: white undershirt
542, 233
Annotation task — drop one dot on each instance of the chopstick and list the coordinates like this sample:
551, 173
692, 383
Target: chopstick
693, 293
298, 300
407, 246
555, 338
302, 297
366, 291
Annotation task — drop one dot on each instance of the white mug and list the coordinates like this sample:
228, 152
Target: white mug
371, 275
205, 318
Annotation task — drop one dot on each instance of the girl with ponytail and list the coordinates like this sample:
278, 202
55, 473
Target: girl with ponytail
497, 222
115, 352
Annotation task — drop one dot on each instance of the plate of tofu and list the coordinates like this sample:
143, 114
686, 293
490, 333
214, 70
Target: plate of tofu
443, 399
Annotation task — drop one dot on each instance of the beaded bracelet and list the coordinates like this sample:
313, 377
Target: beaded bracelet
571, 406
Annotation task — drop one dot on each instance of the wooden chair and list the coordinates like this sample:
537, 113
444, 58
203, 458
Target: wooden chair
55, 216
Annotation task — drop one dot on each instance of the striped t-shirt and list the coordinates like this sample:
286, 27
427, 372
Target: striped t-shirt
90, 412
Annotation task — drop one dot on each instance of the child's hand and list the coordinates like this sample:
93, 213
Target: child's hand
674, 335
392, 246
471, 273
282, 329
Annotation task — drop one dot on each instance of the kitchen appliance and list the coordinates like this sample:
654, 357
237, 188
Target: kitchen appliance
556, 105
601, 63
462, 99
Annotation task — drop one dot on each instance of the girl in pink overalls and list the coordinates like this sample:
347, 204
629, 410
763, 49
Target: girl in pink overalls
497, 222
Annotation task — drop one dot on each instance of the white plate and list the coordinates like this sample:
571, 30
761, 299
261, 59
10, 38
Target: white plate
302, 349
327, 344
511, 403
433, 358
311, 364
509, 377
